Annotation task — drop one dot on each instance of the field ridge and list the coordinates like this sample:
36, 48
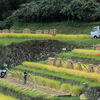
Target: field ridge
29, 86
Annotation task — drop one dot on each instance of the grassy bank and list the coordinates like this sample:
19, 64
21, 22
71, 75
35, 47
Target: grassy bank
80, 58
82, 43
7, 41
66, 27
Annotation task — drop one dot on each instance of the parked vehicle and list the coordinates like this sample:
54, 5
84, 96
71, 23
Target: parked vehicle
2, 73
95, 33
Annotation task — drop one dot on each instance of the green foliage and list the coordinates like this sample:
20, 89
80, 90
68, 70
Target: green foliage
44, 10
66, 27
47, 11
6, 24
7, 6
1, 67
84, 10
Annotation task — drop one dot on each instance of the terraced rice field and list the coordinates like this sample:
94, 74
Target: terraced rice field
5, 97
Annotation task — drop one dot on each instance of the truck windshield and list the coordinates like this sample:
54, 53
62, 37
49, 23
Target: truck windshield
94, 29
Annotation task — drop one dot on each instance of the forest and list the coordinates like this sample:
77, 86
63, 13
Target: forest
47, 11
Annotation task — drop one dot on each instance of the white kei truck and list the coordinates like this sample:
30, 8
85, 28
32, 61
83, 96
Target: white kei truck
95, 33
2, 73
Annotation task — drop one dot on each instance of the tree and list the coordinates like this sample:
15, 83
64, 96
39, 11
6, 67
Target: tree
41, 10
84, 10
8, 6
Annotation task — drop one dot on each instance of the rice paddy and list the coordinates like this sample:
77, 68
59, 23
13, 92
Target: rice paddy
5, 97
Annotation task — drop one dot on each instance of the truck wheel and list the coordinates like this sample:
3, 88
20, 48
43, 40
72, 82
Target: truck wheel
95, 37
2, 76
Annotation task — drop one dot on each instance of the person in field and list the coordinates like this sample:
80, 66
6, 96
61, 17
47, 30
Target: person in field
25, 76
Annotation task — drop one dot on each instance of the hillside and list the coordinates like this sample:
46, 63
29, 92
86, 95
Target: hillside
66, 27
13, 11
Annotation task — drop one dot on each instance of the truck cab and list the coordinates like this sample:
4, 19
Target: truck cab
2, 73
95, 33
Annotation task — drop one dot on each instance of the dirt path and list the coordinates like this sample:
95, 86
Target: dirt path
33, 87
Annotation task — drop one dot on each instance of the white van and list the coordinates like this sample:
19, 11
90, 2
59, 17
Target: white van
95, 33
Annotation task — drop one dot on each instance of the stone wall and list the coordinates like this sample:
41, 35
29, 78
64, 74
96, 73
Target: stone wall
93, 93
31, 50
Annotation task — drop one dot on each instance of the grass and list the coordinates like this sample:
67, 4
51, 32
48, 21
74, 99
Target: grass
79, 58
66, 27
46, 72
82, 43
72, 54
7, 41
